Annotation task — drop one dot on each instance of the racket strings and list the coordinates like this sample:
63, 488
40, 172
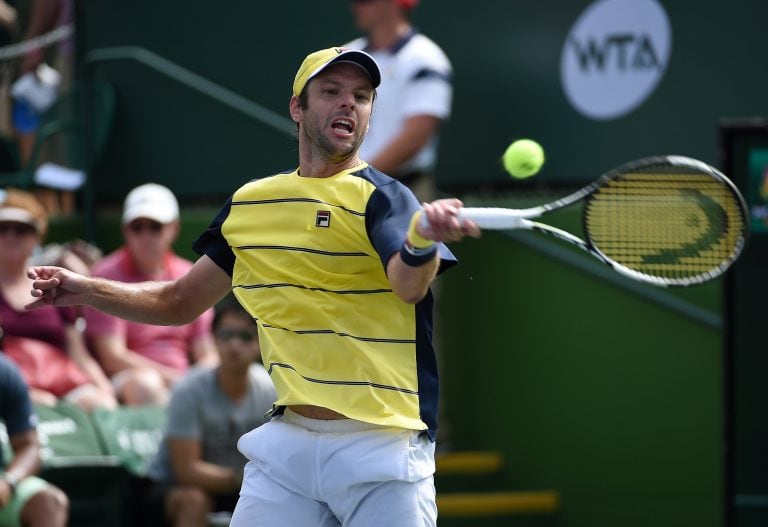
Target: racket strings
670, 225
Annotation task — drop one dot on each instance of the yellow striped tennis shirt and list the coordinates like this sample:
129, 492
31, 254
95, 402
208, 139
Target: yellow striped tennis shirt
307, 258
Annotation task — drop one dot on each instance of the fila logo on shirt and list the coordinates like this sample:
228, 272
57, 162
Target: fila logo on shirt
323, 218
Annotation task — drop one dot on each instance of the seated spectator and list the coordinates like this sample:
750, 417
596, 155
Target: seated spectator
142, 360
24, 499
198, 469
47, 345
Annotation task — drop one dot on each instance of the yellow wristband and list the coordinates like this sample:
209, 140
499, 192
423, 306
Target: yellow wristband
414, 238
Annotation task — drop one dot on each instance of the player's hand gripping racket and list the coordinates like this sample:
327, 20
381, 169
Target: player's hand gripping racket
666, 220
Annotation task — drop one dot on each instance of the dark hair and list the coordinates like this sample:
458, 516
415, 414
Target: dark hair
229, 304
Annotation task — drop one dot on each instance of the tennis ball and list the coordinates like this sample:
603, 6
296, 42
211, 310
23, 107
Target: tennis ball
523, 158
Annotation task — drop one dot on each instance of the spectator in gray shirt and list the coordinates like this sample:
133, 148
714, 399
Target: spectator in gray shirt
198, 469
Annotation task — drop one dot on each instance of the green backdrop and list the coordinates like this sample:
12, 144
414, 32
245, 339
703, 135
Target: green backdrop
507, 80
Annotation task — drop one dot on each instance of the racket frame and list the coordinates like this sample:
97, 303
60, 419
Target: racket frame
508, 219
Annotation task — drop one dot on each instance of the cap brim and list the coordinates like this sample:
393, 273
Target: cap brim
18, 216
149, 212
361, 58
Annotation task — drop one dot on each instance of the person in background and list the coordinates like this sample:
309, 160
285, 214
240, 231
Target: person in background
47, 345
198, 469
144, 360
39, 87
9, 33
414, 98
25, 500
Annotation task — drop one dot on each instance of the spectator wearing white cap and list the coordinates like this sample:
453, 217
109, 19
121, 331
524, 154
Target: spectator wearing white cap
144, 361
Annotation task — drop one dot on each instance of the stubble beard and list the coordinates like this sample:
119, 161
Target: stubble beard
327, 148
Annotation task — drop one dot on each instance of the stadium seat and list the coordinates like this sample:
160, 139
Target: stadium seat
131, 434
74, 460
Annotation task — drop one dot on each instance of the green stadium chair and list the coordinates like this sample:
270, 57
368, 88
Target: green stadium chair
131, 433
74, 459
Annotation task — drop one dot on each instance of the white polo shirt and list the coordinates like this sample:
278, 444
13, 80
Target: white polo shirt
416, 79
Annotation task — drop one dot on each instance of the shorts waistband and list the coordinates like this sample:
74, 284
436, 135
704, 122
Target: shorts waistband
337, 426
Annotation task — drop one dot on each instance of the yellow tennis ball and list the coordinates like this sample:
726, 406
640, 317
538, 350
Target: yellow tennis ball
523, 158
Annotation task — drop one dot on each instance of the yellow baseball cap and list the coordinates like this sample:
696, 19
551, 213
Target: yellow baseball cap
316, 62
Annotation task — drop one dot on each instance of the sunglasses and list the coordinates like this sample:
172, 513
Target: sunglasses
228, 334
145, 225
19, 229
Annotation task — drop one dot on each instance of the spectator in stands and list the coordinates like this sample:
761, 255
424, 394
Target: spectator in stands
24, 499
142, 360
44, 73
47, 345
414, 99
9, 34
198, 469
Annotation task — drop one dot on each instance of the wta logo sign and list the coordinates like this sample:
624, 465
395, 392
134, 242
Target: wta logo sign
614, 57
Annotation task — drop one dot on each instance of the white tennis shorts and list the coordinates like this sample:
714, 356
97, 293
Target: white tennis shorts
309, 473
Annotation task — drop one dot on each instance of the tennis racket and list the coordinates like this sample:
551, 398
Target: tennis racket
665, 220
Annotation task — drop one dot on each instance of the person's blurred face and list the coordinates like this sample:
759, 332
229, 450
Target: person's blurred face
237, 341
369, 13
17, 241
148, 240
339, 105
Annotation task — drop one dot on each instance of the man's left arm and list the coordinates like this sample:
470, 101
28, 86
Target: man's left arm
415, 134
190, 468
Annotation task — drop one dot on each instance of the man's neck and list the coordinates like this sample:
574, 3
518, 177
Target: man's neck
385, 36
149, 268
325, 169
315, 165
10, 273
233, 384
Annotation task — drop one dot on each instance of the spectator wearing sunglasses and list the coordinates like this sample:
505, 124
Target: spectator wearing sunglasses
198, 469
144, 361
46, 345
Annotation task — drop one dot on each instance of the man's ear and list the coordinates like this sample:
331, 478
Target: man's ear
294, 106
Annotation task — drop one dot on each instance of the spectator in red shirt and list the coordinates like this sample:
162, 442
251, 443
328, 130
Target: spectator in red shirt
143, 361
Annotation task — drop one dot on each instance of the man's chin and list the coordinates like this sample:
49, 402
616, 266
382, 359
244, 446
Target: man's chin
343, 150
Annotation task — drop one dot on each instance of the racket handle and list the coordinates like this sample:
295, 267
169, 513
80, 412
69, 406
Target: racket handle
488, 218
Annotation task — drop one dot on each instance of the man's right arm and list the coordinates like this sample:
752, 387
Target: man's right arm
161, 303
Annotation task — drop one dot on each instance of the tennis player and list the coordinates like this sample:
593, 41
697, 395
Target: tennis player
331, 261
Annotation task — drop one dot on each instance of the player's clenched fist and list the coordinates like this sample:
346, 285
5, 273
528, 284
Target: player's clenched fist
56, 286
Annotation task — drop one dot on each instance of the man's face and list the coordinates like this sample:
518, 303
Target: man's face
237, 341
147, 240
17, 241
338, 111
370, 13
